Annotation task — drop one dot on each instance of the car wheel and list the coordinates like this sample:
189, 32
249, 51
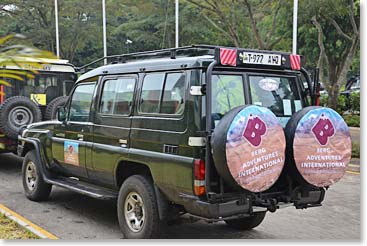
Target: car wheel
35, 188
246, 223
137, 209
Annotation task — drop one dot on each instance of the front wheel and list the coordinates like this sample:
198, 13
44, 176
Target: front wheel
35, 188
137, 209
247, 223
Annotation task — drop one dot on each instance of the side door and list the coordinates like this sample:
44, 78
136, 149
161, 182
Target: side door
112, 124
71, 138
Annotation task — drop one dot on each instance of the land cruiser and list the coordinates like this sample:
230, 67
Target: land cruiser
37, 88
219, 133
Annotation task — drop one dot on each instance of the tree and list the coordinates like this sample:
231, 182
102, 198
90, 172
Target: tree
247, 23
337, 31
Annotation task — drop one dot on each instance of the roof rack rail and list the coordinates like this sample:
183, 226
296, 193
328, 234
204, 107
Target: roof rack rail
185, 51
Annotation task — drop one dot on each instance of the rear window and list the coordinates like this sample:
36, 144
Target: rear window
227, 93
276, 93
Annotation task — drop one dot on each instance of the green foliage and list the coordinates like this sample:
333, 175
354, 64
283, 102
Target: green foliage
355, 102
352, 120
342, 105
323, 100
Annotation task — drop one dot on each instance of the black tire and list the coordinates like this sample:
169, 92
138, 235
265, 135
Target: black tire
233, 147
301, 139
138, 188
247, 223
51, 110
16, 112
38, 190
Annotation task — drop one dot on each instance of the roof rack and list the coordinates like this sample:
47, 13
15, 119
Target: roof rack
185, 51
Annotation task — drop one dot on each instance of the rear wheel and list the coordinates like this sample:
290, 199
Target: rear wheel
35, 188
137, 209
247, 223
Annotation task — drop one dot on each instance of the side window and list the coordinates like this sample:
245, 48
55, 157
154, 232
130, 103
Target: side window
173, 94
81, 103
151, 93
163, 93
117, 96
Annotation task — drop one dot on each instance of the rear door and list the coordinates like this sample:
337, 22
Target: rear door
112, 127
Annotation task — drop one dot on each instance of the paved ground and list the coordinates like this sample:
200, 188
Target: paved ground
72, 216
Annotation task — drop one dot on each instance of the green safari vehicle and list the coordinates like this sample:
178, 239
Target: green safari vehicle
219, 133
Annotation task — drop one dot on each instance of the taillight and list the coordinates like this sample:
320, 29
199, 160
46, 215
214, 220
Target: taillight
199, 179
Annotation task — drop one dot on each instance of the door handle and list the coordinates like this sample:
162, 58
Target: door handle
80, 137
123, 143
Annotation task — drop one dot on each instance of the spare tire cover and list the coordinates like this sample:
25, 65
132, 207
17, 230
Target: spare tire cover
319, 145
248, 146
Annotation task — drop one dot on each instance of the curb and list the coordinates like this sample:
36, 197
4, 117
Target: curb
28, 225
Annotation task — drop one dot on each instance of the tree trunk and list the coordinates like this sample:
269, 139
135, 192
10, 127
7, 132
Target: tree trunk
333, 96
340, 77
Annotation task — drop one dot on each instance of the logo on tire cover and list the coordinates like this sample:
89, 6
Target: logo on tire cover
323, 129
255, 129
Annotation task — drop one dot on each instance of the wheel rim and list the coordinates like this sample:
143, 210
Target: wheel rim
31, 175
20, 116
134, 211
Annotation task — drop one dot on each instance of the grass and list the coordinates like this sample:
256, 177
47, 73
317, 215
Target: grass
356, 149
11, 230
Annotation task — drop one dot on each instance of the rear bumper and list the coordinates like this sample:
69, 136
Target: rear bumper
217, 210
237, 208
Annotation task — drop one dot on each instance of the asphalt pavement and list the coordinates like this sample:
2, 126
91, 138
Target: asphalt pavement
72, 216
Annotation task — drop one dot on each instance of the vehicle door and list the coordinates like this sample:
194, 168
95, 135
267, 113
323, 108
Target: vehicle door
72, 137
112, 124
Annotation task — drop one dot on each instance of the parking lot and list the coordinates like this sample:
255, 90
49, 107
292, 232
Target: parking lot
72, 216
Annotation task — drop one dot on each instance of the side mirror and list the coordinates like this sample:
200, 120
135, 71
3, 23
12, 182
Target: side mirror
61, 114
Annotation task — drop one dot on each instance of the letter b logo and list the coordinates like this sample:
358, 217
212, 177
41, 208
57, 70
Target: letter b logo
323, 129
255, 128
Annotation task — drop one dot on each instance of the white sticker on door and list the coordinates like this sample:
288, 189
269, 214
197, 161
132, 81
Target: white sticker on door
71, 153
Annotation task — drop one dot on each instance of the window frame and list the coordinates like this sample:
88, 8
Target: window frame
71, 99
164, 115
108, 78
